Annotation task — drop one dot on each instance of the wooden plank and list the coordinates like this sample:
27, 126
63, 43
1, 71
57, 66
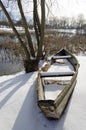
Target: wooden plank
55, 74
62, 57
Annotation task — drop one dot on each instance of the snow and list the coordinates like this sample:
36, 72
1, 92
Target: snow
51, 91
65, 66
60, 67
19, 109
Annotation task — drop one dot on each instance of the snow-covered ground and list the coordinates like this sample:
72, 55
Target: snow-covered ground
19, 110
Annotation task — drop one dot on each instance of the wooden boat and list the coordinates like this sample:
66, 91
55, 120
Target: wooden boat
55, 86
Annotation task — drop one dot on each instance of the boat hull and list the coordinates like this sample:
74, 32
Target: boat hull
53, 109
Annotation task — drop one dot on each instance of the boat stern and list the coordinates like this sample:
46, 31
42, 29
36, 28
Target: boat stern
48, 108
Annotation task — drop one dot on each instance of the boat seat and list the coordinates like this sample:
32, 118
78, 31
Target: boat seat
56, 74
62, 57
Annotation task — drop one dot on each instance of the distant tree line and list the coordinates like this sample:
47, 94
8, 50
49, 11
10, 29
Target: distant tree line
18, 22
65, 22
52, 22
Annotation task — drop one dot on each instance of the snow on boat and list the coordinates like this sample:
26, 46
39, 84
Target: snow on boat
56, 83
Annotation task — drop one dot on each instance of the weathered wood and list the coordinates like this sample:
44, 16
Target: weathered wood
55, 74
62, 57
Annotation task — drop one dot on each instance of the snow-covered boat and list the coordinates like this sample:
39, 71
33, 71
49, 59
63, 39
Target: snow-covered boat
56, 83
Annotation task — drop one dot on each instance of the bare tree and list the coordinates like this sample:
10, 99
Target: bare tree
31, 58
80, 20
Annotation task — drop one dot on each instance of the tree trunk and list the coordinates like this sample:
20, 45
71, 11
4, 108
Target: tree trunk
36, 22
39, 53
30, 64
27, 33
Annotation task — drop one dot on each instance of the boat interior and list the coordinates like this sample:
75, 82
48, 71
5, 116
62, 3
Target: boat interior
57, 77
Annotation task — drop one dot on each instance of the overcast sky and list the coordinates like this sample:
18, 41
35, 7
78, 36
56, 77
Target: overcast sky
67, 8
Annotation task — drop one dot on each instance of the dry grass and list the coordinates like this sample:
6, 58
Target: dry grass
73, 43
10, 51
53, 43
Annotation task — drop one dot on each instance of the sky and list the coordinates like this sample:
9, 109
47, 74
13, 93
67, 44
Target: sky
57, 8
68, 8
